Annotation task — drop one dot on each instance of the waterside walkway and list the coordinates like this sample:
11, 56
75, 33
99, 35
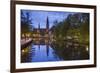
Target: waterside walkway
25, 42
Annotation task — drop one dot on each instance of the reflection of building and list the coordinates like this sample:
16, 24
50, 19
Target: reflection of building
41, 33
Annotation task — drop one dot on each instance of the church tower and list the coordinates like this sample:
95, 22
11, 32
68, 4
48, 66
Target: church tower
39, 26
47, 23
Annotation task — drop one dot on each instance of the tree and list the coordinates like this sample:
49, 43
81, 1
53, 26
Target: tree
25, 22
84, 29
75, 25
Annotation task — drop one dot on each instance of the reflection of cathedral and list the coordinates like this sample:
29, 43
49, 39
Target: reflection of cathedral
41, 33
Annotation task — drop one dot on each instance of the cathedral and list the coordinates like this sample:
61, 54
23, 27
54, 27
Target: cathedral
41, 33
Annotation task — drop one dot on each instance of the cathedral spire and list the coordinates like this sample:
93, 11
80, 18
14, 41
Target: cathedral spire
39, 26
47, 23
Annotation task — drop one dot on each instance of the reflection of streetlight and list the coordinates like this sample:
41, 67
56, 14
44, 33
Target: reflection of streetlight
87, 48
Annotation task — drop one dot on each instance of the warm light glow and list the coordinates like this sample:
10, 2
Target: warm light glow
23, 50
87, 49
23, 35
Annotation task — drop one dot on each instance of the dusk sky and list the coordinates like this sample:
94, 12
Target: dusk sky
39, 17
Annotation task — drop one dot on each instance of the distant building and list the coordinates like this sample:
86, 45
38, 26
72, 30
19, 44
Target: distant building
40, 33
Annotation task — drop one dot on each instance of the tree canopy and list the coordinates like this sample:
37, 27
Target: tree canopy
74, 25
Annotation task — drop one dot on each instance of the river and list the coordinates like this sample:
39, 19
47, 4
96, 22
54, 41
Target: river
45, 53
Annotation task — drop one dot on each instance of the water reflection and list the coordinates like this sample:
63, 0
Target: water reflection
58, 51
71, 52
41, 53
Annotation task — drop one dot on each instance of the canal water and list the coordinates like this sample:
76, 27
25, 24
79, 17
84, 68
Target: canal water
41, 53
56, 52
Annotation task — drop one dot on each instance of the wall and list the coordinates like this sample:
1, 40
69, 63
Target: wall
5, 36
